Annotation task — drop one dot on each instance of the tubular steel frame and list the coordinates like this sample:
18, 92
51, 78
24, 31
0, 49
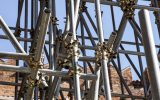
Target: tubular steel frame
63, 50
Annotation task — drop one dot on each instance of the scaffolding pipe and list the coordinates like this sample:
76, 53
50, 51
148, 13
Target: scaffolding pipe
104, 57
76, 14
77, 94
150, 51
11, 37
12, 55
48, 72
41, 30
120, 33
13, 68
137, 32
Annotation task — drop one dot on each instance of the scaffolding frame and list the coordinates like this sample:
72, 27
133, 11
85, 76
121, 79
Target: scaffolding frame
63, 50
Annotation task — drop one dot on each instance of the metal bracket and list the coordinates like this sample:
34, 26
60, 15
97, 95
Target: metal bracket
110, 53
83, 7
71, 51
127, 7
42, 81
18, 32
107, 47
72, 71
54, 20
98, 52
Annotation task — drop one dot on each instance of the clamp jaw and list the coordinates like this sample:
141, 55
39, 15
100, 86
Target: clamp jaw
68, 53
106, 49
127, 7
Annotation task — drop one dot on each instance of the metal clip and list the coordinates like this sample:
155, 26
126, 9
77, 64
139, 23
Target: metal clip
109, 45
83, 7
98, 52
54, 20
72, 71
127, 7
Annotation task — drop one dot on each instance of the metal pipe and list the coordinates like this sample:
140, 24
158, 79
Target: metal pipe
34, 13
22, 29
51, 92
91, 21
84, 54
18, 38
99, 21
87, 58
131, 52
40, 32
119, 51
26, 24
122, 42
21, 39
120, 33
51, 38
76, 12
11, 37
81, 58
131, 62
121, 78
150, 51
140, 65
137, 32
14, 68
37, 47
42, 94
20, 6
90, 67
11, 55
25, 27
45, 71
94, 90
36, 89
120, 68
67, 25
55, 34
156, 14
46, 52
56, 94
16, 81
9, 83
110, 79
127, 96
85, 37
87, 29
104, 58
65, 74
77, 94
113, 18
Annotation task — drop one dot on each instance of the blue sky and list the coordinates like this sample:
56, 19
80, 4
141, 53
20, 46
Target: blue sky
8, 11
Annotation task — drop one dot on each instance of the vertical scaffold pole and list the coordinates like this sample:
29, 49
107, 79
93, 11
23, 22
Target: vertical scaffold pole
104, 57
77, 94
150, 51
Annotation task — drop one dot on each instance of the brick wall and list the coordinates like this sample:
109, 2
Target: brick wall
127, 75
6, 90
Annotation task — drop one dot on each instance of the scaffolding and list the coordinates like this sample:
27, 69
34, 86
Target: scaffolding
66, 50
